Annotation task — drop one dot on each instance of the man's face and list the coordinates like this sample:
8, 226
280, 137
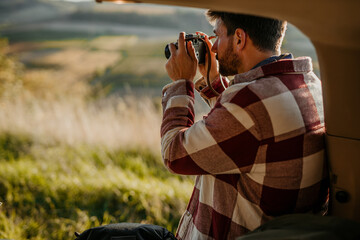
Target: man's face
229, 61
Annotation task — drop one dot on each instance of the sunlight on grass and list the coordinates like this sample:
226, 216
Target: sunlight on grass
57, 186
72, 158
118, 122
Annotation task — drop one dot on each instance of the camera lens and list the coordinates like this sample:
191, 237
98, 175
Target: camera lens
167, 51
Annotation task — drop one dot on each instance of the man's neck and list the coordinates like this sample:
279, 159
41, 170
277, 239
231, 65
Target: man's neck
252, 58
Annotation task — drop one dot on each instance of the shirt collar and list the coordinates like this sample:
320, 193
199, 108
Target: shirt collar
274, 59
284, 66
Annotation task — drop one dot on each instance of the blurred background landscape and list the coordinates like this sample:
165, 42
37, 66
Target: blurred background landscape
80, 115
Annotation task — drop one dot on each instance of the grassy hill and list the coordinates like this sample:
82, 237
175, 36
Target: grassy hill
18, 12
150, 26
53, 20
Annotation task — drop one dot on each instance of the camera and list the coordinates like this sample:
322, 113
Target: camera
198, 43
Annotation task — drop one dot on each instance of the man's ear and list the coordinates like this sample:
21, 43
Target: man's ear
240, 38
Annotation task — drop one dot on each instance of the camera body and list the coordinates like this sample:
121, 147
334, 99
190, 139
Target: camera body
198, 43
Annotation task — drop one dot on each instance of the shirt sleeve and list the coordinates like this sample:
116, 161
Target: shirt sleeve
219, 85
222, 143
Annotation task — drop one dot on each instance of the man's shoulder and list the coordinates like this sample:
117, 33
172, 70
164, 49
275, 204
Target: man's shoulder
288, 66
271, 80
299, 65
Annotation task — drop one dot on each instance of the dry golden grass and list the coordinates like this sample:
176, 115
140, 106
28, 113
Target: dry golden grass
50, 84
113, 43
80, 62
115, 123
137, 65
52, 103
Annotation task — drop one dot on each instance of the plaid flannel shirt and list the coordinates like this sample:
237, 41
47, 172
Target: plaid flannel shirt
259, 153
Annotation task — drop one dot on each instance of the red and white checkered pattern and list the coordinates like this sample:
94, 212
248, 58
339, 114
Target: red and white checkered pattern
259, 153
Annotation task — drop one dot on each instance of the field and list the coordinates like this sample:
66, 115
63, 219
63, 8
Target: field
73, 157
80, 116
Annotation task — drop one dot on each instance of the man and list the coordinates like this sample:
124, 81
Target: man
259, 153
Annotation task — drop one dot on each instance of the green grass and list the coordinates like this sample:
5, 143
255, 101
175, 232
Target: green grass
49, 192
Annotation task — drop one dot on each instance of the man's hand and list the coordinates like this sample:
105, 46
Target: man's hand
214, 73
182, 62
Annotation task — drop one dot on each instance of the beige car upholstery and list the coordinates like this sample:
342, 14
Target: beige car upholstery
334, 28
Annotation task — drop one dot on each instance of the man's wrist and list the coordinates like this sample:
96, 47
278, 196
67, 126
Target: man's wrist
214, 78
178, 87
202, 82
219, 84
186, 79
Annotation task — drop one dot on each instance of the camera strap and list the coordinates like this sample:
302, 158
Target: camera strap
208, 70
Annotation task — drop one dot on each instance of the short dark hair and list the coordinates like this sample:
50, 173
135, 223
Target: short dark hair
266, 33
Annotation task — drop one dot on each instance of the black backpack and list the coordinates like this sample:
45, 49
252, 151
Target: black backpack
126, 231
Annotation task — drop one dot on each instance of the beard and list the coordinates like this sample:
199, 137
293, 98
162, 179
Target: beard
229, 63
